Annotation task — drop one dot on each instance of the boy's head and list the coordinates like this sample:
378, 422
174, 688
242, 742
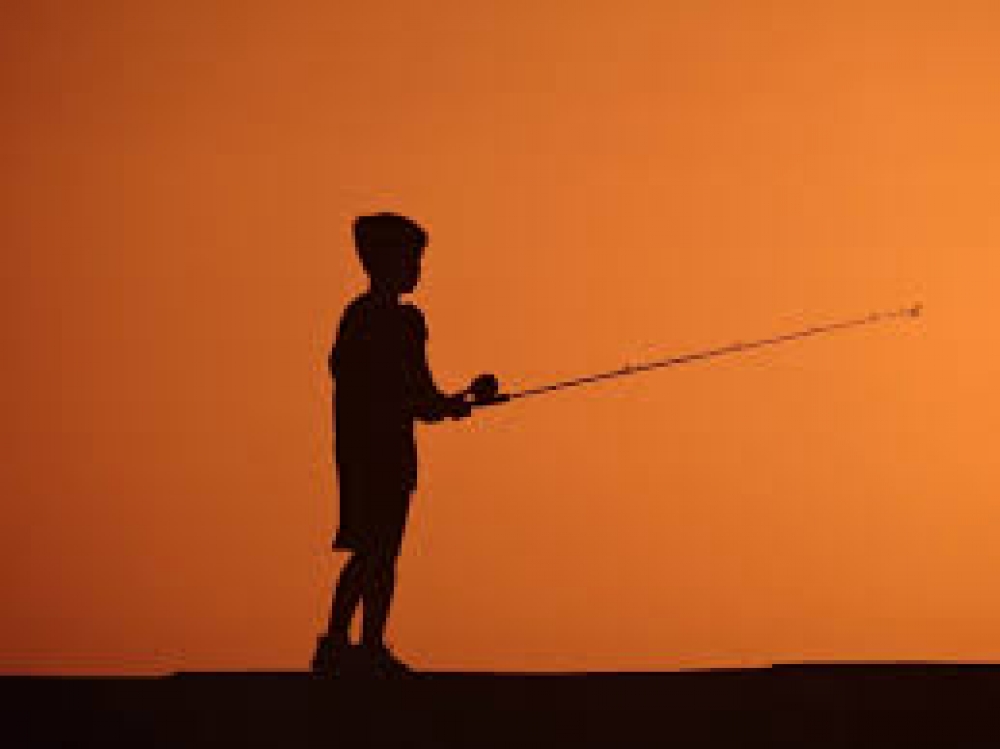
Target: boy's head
390, 247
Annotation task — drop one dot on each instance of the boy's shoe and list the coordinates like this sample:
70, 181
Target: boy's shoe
328, 660
383, 662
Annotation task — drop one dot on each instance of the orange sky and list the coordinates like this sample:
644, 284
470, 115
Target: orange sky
602, 185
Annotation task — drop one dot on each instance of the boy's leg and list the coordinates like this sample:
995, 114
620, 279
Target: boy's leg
379, 587
346, 596
377, 598
380, 581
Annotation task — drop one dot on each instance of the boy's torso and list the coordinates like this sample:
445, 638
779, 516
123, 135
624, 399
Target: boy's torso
376, 343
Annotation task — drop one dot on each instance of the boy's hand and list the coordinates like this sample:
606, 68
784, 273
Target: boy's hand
459, 407
485, 391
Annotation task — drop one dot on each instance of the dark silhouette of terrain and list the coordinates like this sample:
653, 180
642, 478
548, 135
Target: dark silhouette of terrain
802, 706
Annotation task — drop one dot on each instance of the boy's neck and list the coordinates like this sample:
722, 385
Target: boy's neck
384, 293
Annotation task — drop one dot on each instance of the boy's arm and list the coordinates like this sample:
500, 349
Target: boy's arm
427, 402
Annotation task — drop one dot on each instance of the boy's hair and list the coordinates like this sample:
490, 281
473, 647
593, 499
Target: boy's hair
382, 238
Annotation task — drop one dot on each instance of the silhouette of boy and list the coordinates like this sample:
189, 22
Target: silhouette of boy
382, 384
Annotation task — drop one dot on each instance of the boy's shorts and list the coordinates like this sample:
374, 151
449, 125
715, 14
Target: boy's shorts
372, 521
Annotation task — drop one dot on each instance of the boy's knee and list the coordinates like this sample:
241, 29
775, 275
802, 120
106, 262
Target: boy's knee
380, 563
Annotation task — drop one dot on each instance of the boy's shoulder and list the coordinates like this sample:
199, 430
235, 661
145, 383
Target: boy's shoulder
413, 318
365, 311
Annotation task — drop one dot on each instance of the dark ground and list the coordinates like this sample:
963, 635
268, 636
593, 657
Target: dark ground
808, 706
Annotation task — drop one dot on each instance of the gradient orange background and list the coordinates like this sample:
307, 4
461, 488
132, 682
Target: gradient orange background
603, 183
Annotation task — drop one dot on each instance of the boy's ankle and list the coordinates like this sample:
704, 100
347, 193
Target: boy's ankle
339, 639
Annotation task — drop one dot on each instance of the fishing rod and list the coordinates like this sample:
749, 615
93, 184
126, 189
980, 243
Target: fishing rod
485, 389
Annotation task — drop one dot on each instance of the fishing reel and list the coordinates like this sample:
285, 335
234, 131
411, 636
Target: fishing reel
485, 391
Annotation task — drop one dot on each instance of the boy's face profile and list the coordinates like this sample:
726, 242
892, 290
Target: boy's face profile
409, 271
